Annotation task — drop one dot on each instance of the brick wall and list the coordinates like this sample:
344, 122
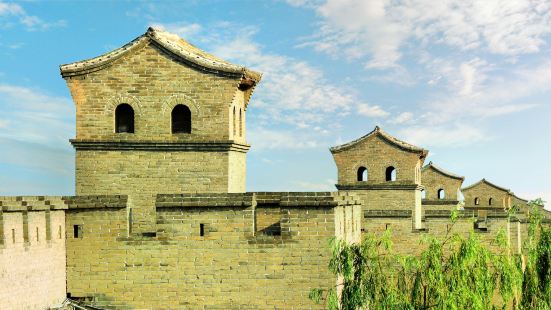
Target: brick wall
376, 155
433, 181
483, 191
210, 250
32, 252
437, 223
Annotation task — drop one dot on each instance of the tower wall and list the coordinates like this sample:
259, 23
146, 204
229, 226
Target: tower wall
500, 198
433, 181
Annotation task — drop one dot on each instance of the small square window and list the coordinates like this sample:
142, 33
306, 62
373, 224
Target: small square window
77, 231
202, 230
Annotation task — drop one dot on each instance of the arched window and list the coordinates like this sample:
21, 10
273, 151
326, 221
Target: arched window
423, 194
441, 194
124, 118
234, 123
476, 201
362, 174
181, 119
490, 201
391, 174
240, 123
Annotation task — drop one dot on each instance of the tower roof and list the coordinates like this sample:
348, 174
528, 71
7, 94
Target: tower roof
172, 43
442, 171
521, 199
484, 181
385, 136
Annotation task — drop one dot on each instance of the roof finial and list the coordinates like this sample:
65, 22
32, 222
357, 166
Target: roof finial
377, 128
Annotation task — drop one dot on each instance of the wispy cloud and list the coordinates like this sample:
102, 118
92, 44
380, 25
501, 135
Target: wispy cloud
444, 135
32, 116
274, 138
12, 14
376, 31
32, 123
402, 118
371, 110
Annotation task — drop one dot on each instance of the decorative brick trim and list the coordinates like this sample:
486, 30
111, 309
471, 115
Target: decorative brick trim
387, 213
206, 146
96, 202
176, 99
114, 101
441, 202
381, 186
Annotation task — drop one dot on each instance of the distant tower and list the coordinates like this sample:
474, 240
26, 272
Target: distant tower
384, 171
159, 115
486, 195
441, 188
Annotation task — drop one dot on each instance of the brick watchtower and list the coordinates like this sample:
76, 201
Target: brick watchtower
159, 115
384, 171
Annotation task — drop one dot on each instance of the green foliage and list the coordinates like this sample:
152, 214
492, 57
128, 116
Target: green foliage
453, 272
536, 285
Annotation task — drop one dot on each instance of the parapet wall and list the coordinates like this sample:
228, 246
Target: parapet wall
32, 252
221, 251
437, 223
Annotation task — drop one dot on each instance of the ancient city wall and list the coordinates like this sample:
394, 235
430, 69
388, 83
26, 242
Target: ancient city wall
32, 252
437, 223
253, 250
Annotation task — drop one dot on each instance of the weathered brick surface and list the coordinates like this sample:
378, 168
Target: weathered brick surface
233, 265
377, 151
484, 191
434, 180
32, 252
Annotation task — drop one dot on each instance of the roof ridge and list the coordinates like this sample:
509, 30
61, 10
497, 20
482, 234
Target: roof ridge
489, 183
443, 171
401, 144
170, 42
517, 197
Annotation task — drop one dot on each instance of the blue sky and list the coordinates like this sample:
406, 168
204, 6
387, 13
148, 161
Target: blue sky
468, 80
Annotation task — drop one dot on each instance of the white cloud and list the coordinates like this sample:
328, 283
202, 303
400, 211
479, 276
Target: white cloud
402, 118
10, 9
371, 110
34, 130
11, 13
31, 116
376, 31
270, 139
480, 96
182, 29
449, 135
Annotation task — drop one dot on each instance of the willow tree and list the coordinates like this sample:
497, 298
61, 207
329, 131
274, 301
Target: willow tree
454, 272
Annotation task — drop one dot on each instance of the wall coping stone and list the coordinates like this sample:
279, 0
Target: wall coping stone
380, 186
178, 146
